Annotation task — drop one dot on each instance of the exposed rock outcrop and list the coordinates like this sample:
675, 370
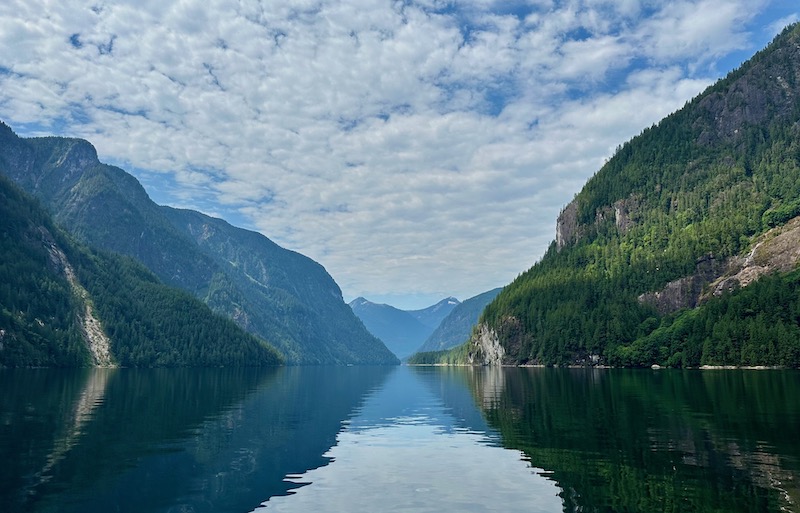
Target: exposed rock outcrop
765, 92
625, 211
97, 341
778, 250
568, 231
685, 292
567, 225
486, 347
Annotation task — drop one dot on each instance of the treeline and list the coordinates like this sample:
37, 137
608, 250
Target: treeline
455, 356
756, 325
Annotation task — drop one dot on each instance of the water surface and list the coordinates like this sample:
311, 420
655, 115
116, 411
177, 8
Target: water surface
398, 439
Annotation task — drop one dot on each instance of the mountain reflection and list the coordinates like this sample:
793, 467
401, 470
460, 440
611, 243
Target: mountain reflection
167, 439
618, 440
301, 439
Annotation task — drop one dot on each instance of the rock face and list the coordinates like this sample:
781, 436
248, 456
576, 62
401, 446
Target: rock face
766, 92
624, 213
778, 250
567, 225
485, 347
685, 292
568, 230
97, 342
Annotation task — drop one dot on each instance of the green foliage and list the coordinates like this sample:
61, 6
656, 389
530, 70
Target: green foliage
781, 213
455, 356
618, 440
152, 325
148, 323
37, 310
753, 326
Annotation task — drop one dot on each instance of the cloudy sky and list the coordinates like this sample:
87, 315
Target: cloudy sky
416, 149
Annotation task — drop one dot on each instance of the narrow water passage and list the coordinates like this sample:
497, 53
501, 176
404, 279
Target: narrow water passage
406, 450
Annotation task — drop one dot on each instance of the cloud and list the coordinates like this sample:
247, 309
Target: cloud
413, 148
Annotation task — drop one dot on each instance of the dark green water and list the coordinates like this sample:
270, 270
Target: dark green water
398, 439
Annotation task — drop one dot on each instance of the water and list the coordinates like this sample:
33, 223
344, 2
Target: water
354, 439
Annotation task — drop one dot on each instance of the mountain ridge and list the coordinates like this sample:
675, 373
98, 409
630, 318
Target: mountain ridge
457, 326
106, 207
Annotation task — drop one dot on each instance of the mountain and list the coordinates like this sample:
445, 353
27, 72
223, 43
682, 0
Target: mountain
64, 304
401, 330
433, 315
656, 259
278, 295
457, 326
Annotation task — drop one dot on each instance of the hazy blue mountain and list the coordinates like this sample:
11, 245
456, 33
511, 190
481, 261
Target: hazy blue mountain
278, 295
433, 315
456, 328
402, 331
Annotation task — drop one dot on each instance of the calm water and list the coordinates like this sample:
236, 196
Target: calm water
399, 439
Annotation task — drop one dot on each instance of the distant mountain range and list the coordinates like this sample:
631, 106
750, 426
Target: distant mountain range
456, 328
280, 296
403, 331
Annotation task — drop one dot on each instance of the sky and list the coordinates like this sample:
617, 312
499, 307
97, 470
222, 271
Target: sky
417, 149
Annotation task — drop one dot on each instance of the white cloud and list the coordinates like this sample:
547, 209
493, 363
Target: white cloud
412, 148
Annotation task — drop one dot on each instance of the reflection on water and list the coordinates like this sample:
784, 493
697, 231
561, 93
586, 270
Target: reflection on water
617, 440
409, 448
398, 439
91, 395
164, 440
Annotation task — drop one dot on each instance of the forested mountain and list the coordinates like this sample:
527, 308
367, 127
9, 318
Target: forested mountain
457, 326
278, 295
652, 258
63, 304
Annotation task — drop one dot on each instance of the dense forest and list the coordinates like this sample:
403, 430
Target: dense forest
38, 321
148, 323
670, 211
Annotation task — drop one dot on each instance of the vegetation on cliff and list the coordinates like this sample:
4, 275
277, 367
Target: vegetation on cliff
662, 219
